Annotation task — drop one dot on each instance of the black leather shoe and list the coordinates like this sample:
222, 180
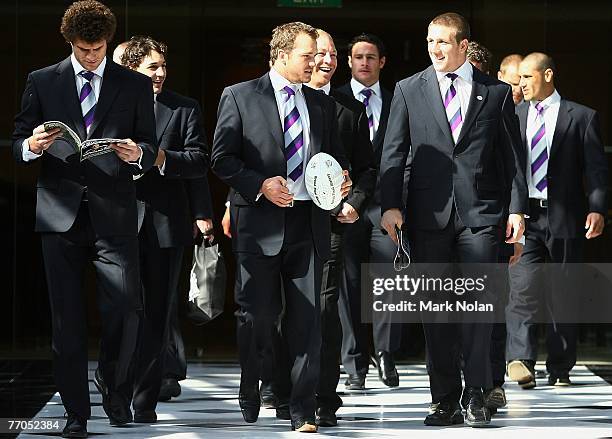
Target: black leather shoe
145, 416
269, 400
249, 401
116, 406
170, 388
523, 372
494, 399
476, 414
559, 380
444, 414
387, 372
326, 417
355, 382
304, 426
75, 426
282, 411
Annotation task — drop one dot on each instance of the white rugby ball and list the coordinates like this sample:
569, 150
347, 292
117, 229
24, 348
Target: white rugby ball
323, 179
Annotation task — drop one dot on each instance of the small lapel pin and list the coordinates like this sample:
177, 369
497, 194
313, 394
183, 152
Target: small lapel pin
479, 97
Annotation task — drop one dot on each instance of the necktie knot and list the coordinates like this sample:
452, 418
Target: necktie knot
452, 76
87, 75
367, 92
289, 90
540, 108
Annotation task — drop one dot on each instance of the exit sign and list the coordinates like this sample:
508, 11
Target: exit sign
310, 3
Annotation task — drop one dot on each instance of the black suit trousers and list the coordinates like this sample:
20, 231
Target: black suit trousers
448, 344
258, 296
331, 329
364, 243
528, 297
115, 261
160, 269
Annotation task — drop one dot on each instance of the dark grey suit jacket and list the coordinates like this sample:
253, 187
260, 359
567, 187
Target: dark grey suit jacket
181, 195
483, 175
248, 148
124, 110
577, 172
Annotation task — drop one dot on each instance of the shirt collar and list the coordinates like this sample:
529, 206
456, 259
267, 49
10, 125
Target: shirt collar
78, 68
553, 99
279, 81
326, 88
465, 72
358, 86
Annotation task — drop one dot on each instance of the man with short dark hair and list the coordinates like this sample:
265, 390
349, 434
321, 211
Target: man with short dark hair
454, 129
363, 241
567, 176
86, 210
267, 129
174, 198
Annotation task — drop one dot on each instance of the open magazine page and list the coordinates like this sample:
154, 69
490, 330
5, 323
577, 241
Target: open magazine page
95, 147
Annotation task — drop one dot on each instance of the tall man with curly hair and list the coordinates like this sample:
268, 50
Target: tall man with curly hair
86, 210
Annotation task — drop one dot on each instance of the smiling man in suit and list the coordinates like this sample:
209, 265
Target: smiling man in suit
86, 211
267, 129
455, 129
175, 198
355, 136
363, 241
567, 175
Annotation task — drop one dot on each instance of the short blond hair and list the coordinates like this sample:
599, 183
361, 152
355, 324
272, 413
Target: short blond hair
283, 37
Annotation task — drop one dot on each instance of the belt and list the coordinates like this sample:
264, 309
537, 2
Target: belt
301, 203
539, 203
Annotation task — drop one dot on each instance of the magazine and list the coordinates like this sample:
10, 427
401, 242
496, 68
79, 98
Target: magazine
86, 148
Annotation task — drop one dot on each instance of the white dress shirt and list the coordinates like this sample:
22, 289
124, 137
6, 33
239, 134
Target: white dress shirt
551, 112
298, 188
463, 85
375, 102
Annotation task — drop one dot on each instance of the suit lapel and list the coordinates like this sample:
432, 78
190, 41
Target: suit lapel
521, 111
70, 98
267, 102
315, 116
477, 100
110, 88
163, 114
431, 92
384, 116
564, 120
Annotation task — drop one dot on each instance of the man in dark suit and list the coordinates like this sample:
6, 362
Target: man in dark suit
354, 133
363, 241
86, 210
174, 195
567, 175
267, 129
456, 130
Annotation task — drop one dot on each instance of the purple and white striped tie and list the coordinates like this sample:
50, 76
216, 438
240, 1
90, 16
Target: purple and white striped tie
366, 92
453, 108
294, 140
87, 97
539, 151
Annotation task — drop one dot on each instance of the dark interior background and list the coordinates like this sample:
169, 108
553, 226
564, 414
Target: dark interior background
214, 43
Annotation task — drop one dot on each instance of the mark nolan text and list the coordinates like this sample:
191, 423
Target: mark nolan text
431, 306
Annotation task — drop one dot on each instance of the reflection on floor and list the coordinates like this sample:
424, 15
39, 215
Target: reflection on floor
208, 408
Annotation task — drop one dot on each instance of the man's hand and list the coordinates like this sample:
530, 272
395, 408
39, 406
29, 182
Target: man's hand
346, 185
128, 151
390, 219
206, 227
518, 251
594, 225
275, 190
515, 228
161, 157
348, 214
225, 223
41, 139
